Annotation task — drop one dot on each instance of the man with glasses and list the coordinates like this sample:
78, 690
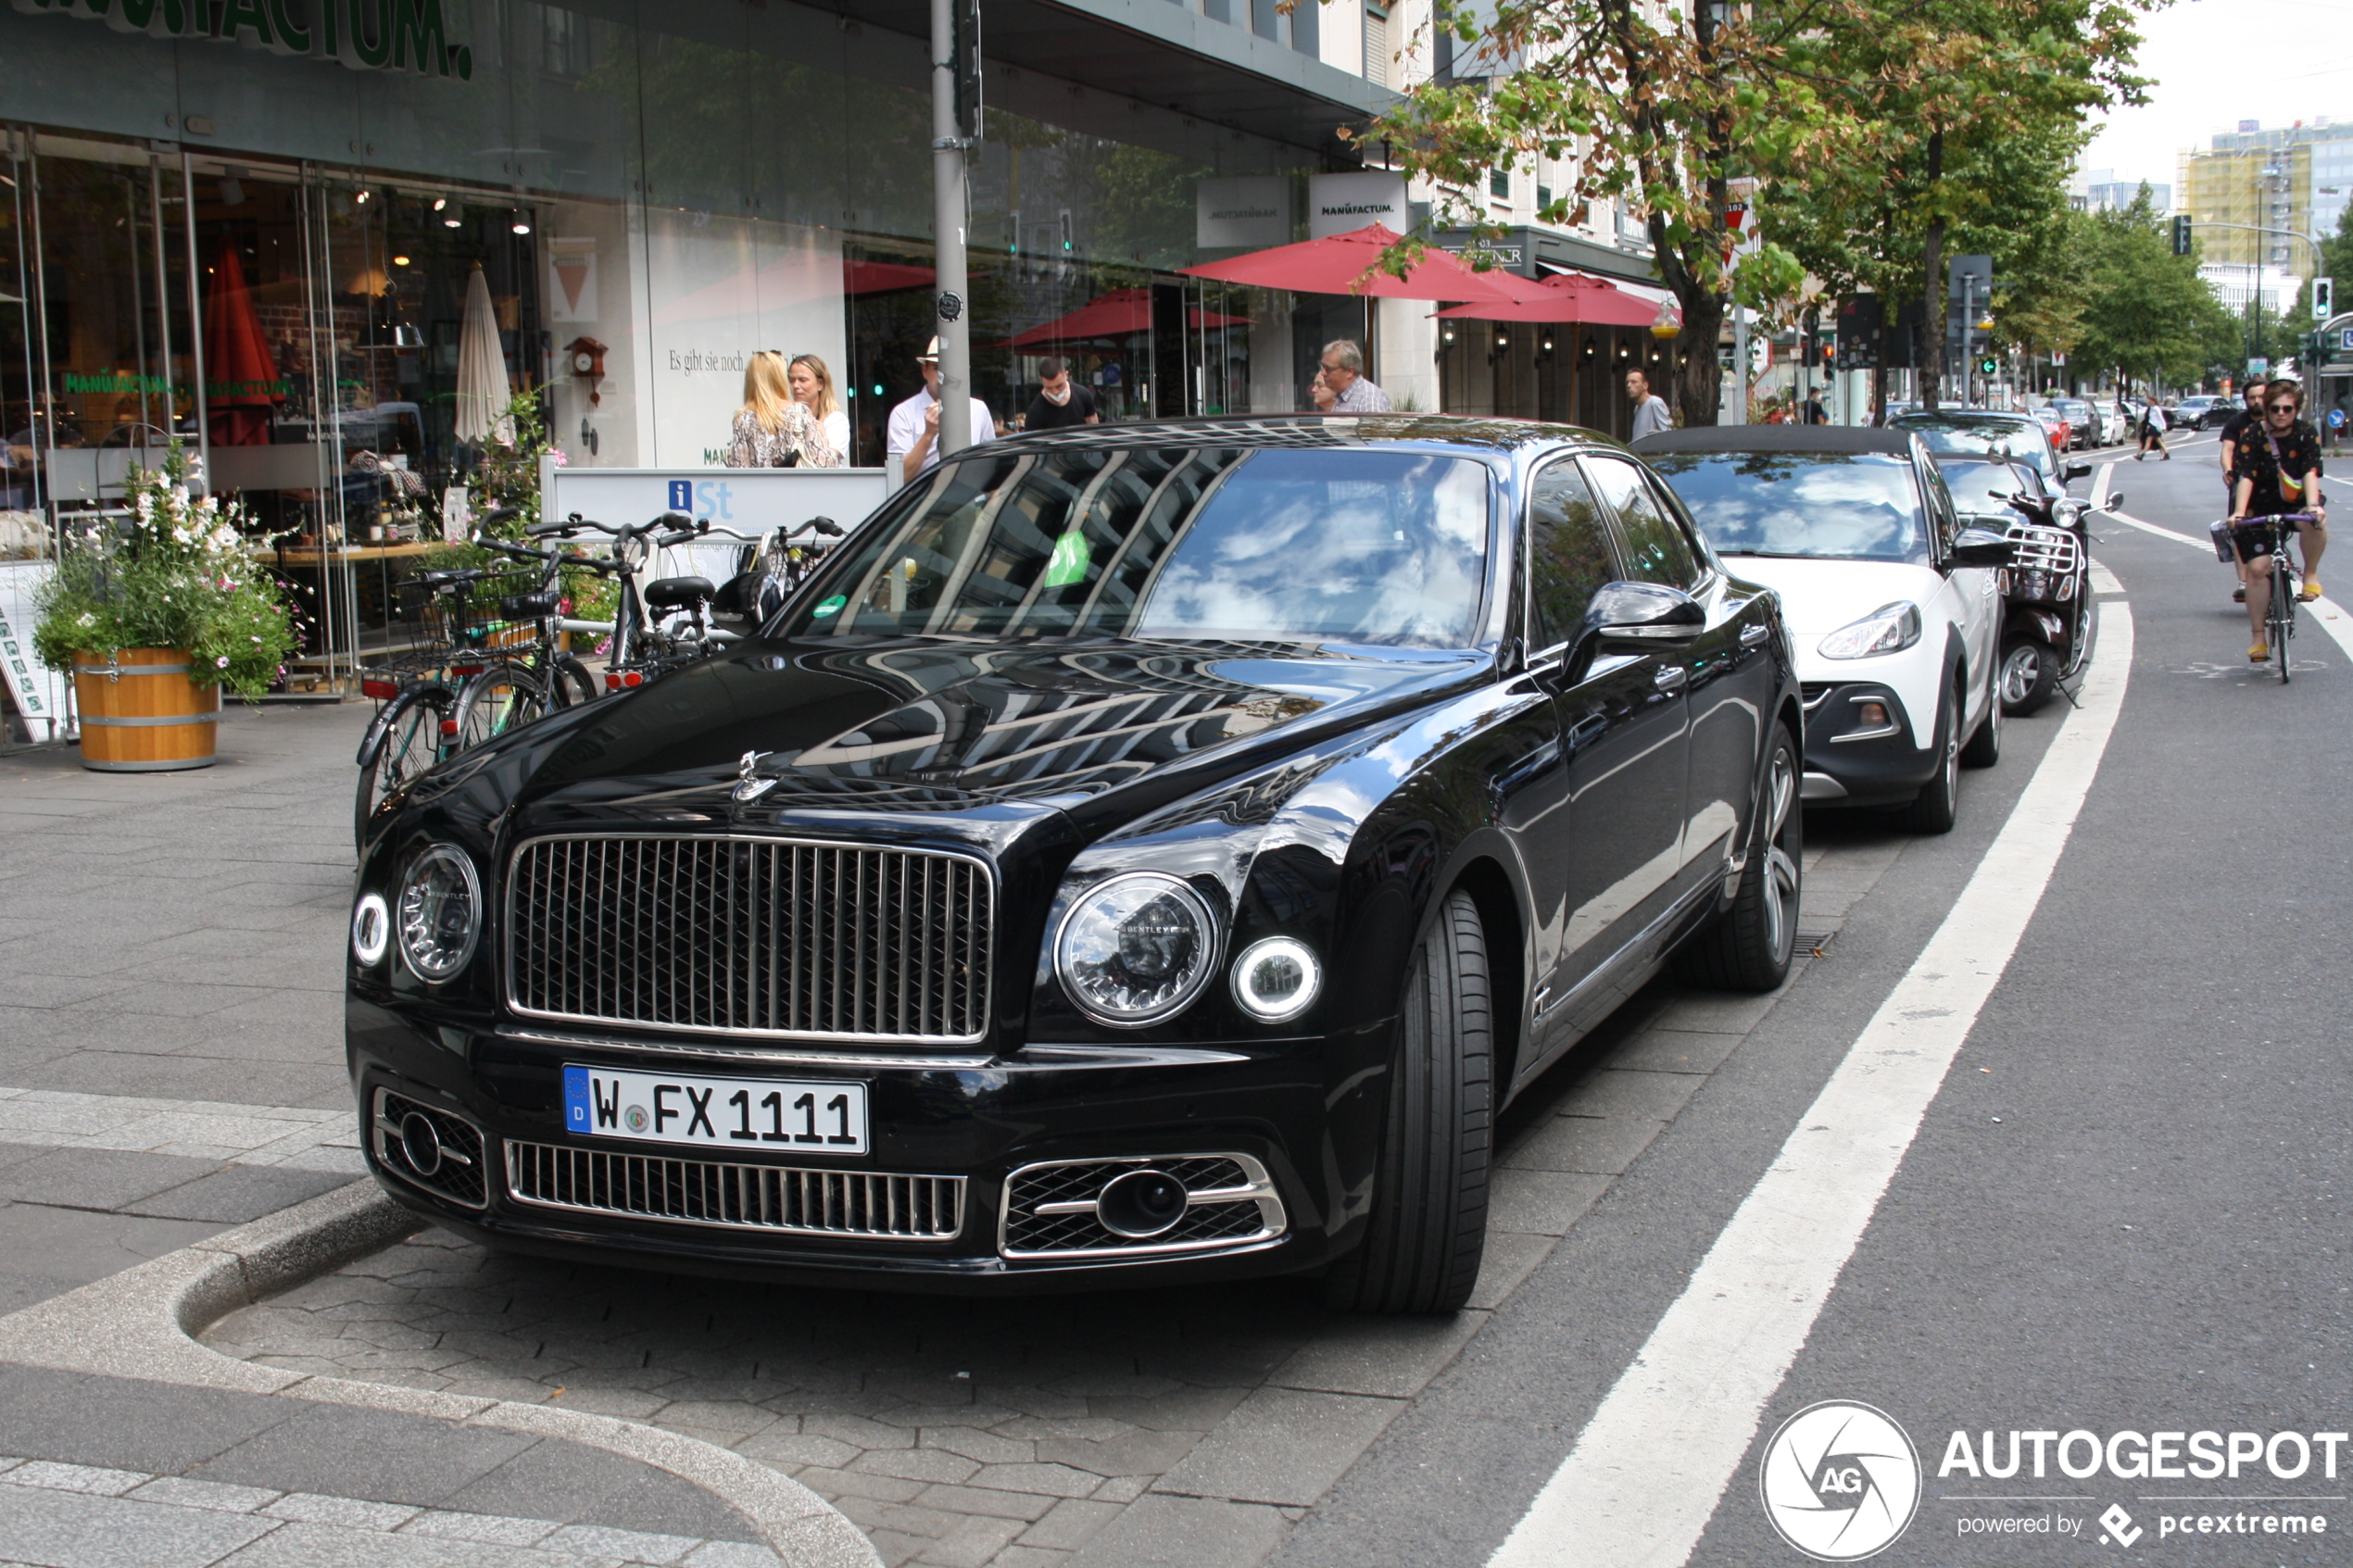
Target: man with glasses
2279, 471
2248, 418
1342, 387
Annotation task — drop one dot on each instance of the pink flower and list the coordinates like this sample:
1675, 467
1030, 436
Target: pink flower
222, 662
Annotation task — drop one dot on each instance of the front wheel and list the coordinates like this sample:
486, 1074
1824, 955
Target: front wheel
1937, 807
1749, 947
502, 698
1428, 1229
2028, 674
1984, 747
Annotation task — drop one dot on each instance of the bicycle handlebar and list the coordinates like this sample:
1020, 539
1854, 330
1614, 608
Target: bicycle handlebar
2267, 519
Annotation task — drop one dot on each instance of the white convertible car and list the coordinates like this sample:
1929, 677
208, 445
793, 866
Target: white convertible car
1895, 609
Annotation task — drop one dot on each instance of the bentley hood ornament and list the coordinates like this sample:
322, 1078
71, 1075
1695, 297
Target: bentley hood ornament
749, 786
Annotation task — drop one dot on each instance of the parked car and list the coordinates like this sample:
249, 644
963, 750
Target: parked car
2055, 426
1893, 603
2081, 419
1140, 852
2190, 413
1984, 433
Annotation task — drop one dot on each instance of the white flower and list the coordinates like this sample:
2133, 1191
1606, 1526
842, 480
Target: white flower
222, 662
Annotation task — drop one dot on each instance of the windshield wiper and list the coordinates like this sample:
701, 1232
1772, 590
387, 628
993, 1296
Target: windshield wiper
1771, 554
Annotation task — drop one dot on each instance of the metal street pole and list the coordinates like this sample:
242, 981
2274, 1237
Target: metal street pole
1739, 364
954, 322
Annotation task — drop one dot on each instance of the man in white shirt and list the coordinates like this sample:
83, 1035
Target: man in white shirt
913, 443
1650, 410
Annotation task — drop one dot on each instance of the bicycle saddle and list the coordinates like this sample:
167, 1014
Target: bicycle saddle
530, 607
444, 579
677, 593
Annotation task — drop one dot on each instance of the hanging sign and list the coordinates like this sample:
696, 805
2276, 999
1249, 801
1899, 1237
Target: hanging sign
394, 35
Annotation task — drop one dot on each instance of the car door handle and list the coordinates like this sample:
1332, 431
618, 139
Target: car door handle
1751, 635
1670, 676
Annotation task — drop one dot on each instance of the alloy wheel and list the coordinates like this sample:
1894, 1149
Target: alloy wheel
2022, 671
1780, 871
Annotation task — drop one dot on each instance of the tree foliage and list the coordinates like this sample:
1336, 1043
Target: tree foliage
2148, 315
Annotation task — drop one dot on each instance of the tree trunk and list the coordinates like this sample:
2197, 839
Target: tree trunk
1930, 359
1699, 380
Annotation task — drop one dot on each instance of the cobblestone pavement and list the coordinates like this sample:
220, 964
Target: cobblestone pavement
1165, 1426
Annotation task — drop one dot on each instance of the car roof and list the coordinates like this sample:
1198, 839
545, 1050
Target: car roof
1776, 438
1486, 436
1965, 416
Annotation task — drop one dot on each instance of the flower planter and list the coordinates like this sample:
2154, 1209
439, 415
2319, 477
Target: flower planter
140, 714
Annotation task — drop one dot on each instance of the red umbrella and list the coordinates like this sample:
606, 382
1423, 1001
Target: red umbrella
1121, 313
241, 379
1571, 296
1347, 264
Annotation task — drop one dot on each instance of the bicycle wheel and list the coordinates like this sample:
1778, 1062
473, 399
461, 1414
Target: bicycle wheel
411, 744
503, 698
573, 685
2282, 616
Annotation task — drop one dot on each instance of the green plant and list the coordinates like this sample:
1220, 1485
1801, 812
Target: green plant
172, 574
509, 472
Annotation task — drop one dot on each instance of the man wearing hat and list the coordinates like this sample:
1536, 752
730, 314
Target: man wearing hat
913, 434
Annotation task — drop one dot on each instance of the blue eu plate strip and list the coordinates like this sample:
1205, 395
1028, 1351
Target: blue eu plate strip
576, 1100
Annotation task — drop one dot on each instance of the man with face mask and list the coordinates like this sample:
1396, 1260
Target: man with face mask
1061, 402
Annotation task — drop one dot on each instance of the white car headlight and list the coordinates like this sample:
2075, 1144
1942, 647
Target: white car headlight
439, 912
1137, 949
1277, 978
371, 929
1889, 629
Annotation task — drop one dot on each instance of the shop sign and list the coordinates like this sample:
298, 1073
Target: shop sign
1248, 210
38, 690
224, 391
1340, 203
402, 35
118, 382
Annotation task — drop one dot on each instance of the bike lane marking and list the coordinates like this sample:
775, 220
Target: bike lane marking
1650, 1469
2327, 611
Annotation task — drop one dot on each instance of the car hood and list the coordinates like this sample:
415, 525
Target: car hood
1819, 596
939, 727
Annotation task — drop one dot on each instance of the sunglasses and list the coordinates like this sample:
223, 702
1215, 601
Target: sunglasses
2282, 409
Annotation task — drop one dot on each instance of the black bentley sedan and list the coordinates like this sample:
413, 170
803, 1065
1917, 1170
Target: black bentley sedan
1144, 853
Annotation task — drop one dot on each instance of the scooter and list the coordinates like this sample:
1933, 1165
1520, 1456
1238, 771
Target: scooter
2048, 624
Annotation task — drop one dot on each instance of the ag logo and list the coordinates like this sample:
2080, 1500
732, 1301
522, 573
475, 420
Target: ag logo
635, 1119
1840, 1481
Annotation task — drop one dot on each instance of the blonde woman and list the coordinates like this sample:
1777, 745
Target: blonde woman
812, 384
771, 431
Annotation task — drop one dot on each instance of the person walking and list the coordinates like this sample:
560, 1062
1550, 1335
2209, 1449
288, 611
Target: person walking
1061, 402
1815, 413
912, 441
770, 430
1341, 386
2152, 431
812, 388
1650, 410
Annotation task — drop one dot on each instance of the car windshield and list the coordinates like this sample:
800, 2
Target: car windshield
1984, 489
1340, 546
1836, 506
1967, 436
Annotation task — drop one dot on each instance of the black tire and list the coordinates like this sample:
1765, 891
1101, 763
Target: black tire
502, 698
1428, 1229
412, 742
573, 686
1748, 948
2028, 674
2282, 616
1937, 806
1984, 747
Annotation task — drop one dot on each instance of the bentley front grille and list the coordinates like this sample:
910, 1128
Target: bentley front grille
856, 1204
751, 937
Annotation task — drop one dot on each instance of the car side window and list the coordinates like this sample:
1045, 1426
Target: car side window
1568, 555
1656, 548
1940, 506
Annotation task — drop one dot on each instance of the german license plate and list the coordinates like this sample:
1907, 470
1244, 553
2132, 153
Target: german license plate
772, 1114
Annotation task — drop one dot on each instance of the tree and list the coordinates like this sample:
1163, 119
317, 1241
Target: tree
2146, 312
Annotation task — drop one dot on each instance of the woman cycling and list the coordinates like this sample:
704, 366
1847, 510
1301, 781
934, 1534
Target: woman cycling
2279, 471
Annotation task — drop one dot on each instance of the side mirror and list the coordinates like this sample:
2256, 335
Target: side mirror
2078, 470
2115, 501
1646, 613
1981, 546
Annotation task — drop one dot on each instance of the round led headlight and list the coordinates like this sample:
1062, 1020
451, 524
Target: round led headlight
1277, 978
440, 912
1136, 949
371, 928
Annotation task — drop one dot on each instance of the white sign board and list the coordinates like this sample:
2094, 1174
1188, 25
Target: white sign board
1339, 203
742, 501
40, 692
1250, 211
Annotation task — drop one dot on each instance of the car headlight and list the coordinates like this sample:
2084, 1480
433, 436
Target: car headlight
1136, 949
1889, 629
440, 912
371, 928
1277, 978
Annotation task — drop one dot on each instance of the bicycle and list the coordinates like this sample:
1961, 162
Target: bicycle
514, 691
2271, 531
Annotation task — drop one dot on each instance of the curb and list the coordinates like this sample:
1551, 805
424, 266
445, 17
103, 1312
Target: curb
142, 1323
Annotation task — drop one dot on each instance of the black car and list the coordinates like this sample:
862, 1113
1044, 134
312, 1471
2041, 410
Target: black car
1143, 852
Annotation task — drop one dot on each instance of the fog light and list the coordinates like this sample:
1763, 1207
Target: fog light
371, 928
1140, 1204
1870, 715
1277, 978
420, 1142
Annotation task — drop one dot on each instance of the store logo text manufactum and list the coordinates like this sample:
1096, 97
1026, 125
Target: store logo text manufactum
402, 35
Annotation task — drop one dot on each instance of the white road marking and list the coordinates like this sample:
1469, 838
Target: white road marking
1650, 1469
234, 1134
2099, 486
2331, 616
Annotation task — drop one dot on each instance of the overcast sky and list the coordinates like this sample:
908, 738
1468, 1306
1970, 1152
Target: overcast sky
2217, 62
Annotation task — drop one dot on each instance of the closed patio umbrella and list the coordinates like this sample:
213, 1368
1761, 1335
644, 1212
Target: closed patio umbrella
482, 368
241, 378
1346, 264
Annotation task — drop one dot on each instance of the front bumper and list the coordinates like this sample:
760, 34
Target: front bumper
1853, 760
964, 1150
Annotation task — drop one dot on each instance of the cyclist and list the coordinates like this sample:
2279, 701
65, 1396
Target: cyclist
2233, 432
2279, 471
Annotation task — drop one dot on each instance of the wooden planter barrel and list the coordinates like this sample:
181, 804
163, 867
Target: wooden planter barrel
140, 714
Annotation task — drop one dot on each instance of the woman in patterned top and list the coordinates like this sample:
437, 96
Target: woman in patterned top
2278, 469
771, 431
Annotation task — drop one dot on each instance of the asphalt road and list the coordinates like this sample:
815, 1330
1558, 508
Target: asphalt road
2122, 1212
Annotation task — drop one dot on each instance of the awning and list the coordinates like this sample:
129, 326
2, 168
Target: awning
1347, 264
1569, 296
1119, 314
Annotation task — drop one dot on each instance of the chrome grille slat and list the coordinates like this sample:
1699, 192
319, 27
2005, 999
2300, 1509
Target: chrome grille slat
870, 1204
739, 936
